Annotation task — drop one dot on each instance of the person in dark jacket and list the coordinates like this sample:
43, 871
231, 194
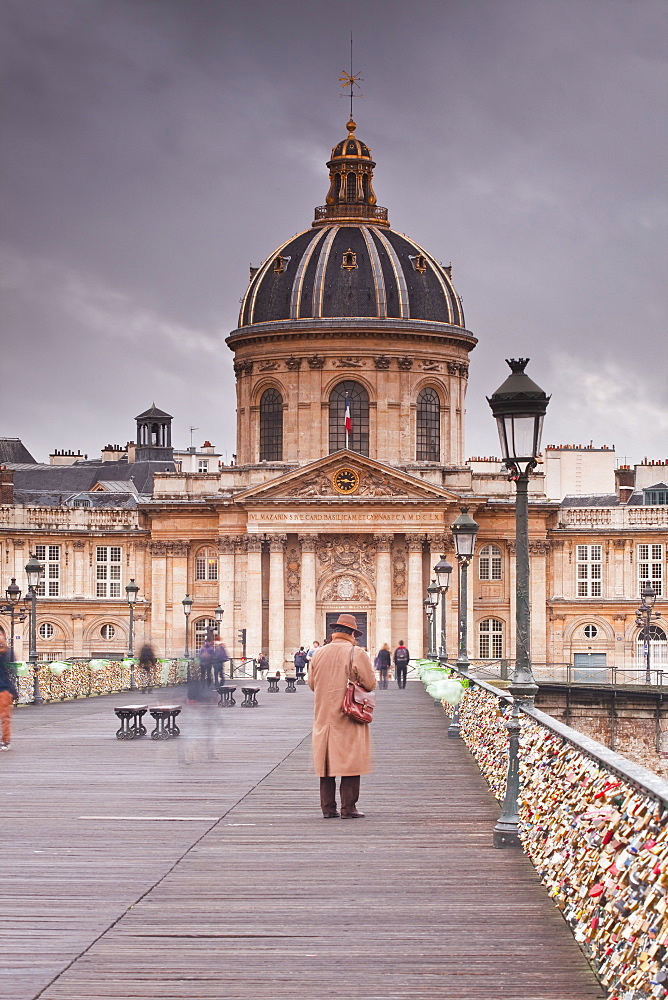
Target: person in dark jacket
383, 661
8, 694
220, 658
300, 660
401, 658
147, 661
206, 655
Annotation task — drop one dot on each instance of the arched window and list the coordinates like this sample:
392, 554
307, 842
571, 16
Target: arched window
489, 563
658, 648
204, 628
108, 631
428, 426
206, 564
351, 187
358, 397
46, 630
490, 639
271, 426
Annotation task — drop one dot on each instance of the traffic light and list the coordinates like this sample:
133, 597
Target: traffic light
242, 640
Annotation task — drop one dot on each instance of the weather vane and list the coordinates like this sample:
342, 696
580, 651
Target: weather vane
351, 79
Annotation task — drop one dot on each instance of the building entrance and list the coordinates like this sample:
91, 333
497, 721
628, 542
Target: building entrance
590, 667
360, 617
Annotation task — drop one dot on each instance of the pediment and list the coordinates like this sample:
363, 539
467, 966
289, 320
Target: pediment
317, 482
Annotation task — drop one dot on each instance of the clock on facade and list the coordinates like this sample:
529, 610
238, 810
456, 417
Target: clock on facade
345, 480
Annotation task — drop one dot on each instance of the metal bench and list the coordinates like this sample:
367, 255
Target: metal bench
290, 684
273, 684
250, 697
165, 721
131, 716
227, 699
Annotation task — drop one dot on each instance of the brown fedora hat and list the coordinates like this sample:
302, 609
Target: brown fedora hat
349, 621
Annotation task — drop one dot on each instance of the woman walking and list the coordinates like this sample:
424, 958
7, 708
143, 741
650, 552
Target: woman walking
8, 695
383, 660
341, 746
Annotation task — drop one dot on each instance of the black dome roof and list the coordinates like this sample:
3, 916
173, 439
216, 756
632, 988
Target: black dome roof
351, 271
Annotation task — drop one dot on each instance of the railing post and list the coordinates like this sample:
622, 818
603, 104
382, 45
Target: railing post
505, 831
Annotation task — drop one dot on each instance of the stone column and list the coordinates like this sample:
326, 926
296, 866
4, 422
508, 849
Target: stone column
384, 594
78, 579
618, 590
307, 621
77, 635
537, 554
512, 578
276, 602
253, 610
176, 589
226, 587
158, 599
21, 554
414, 639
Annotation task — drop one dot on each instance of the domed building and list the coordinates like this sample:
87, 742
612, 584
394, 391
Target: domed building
351, 357
351, 308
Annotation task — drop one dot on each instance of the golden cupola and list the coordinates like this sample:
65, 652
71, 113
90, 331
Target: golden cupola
351, 196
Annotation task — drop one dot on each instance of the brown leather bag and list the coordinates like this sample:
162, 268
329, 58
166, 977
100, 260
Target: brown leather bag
358, 704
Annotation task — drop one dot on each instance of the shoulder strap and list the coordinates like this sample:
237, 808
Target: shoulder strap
350, 663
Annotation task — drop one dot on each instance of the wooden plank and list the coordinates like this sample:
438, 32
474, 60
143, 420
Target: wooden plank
268, 900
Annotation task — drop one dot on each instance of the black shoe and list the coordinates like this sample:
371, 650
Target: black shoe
330, 815
352, 815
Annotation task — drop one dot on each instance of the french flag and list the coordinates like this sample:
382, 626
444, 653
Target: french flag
348, 421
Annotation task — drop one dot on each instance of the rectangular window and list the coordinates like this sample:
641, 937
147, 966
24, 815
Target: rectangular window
108, 571
203, 465
589, 570
50, 556
650, 568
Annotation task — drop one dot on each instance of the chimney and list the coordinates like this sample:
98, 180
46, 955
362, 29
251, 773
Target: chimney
6, 486
625, 480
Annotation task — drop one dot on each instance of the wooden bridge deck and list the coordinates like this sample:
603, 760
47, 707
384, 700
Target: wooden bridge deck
201, 867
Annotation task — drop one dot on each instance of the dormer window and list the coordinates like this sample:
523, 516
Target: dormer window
656, 496
280, 264
419, 262
349, 260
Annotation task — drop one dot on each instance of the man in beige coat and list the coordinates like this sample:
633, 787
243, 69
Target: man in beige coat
340, 746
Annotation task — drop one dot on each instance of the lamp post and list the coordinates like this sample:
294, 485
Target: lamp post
464, 531
443, 569
429, 611
519, 406
187, 603
13, 595
644, 616
219, 612
433, 594
34, 572
131, 591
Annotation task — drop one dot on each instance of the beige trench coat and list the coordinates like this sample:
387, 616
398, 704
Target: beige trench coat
340, 746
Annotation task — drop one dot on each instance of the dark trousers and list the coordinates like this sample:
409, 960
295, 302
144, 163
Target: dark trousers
350, 792
401, 671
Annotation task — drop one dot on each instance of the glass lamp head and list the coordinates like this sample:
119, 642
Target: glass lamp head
131, 591
464, 531
34, 572
433, 593
13, 592
219, 612
443, 569
519, 406
187, 603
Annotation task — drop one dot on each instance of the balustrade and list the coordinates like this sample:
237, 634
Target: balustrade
595, 825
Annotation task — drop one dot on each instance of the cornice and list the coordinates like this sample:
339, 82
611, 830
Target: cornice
407, 329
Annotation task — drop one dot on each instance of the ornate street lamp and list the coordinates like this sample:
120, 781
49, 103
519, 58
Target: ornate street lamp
433, 594
644, 616
34, 572
13, 595
429, 611
219, 612
519, 406
187, 603
131, 591
443, 569
464, 531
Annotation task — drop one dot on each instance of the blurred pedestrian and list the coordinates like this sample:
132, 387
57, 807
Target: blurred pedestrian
401, 658
220, 658
300, 661
383, 661
206, 655
262, 665
147, 661
8, 693
341, 746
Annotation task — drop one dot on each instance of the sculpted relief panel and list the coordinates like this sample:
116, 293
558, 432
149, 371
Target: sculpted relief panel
354, 553
319, 484
346, 588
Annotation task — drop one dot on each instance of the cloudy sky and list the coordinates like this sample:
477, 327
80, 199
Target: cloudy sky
152, 149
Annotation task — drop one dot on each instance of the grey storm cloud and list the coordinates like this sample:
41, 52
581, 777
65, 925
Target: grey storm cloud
153, 149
